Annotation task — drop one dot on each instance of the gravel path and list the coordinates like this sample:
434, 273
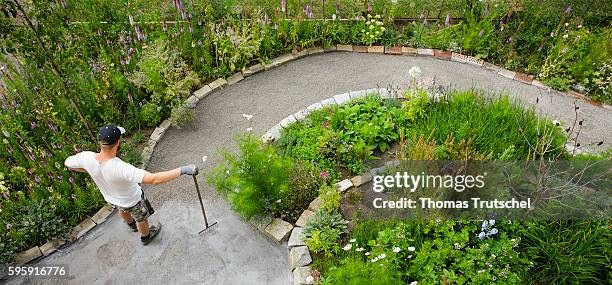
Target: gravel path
233, 253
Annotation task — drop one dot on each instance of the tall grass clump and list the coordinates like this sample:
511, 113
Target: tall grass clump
495, 126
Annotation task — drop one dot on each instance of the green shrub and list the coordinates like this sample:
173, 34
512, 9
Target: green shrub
37, 222
181, 115
322, 232
254, 179
151, 114
303, 184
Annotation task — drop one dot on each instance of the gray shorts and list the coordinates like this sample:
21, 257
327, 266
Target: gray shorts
141, 211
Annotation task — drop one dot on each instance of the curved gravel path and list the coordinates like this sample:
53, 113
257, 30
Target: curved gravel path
232, 252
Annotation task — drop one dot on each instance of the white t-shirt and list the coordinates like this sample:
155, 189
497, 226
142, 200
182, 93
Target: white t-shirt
116, 179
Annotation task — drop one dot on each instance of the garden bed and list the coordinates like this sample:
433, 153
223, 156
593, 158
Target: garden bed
337, 140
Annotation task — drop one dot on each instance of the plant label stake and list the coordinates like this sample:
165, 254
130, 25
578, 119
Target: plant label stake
195, 180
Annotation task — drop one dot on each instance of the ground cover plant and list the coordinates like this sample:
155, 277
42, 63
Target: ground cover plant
68, 67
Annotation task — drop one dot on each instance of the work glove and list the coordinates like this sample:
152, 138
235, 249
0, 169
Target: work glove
189, 169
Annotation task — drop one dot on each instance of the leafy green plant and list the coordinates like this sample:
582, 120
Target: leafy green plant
323, 231
181, 115
254, 179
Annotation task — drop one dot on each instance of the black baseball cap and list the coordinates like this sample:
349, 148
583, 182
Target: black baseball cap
109, 135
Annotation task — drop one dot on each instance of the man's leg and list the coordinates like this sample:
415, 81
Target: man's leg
127, 217
143, 228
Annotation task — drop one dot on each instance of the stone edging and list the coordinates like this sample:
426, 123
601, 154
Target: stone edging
274, 133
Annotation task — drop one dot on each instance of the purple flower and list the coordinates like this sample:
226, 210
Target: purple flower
63, 3
130, 97
480, 33
99, 33
71, 180
37, 179
122, 61
266, 19
190, 28
9, 226
33, 124
308, 12
486, 11
369, 7
283, 5
138, 33
568, 9
324, 174
447, 21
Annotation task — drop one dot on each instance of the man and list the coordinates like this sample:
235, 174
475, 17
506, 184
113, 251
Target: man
119, 181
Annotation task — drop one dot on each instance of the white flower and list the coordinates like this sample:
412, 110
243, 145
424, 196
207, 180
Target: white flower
565, 36
414, 283
374, 259
309, 279
394, 1
579, 26
249, 129
491, 222
566, 24
396, 249
556, 122
414, 71
334, 17
348, 246
204, 158
381, 256
360, 249
248, 117
411, 248
410, 256
481, 235
352, 240
367, 253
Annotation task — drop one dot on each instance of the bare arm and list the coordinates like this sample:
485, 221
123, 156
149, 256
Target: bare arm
161, 177
78, 169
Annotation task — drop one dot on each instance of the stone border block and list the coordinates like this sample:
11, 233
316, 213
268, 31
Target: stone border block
358, 94
344, 185
295, 239
539, 84
344, 48
491, 66
315, 205
522, 77
288, 121
304, 217
314, 107
275, 131
299, 54
252, 70
315, 50
102, 214
342, 98
81, 229
217, 84
409, 51
192, 101
28, 255
51, 246
281, 60
329, 49
376, 49
300, 275
202, 92
278, 230
237, 77
362, 49
506, 73
425, 51
440, 54
393, 50
328, 102
361, 179
302, 114
466, 59
299, 256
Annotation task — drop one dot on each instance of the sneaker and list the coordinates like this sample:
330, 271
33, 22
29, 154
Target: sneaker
153, 231
133, 226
